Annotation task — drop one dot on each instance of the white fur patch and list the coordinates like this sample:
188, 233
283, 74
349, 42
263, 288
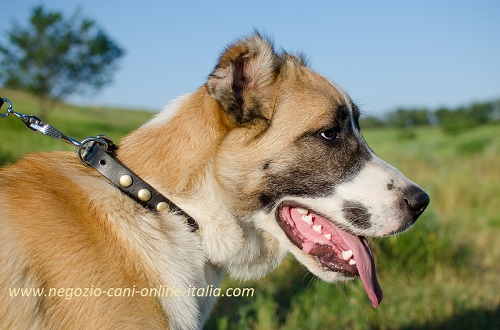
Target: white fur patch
234, 244
164, 243
169, 111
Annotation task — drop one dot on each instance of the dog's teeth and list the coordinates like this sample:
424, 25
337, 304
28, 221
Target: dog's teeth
308, 219
302, 211
328, 236
346, 255
318, 228
352, 262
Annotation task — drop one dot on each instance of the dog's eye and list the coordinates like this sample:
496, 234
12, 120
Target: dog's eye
330, 134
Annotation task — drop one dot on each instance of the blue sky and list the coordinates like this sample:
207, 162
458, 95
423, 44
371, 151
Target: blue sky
385, 54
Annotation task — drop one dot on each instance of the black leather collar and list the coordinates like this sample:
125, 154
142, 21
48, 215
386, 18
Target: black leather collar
105, 162
99, 153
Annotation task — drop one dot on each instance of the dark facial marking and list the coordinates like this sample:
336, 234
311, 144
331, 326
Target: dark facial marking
295, 182
318, 164
390, 186
355, 115
357, 214
264, 199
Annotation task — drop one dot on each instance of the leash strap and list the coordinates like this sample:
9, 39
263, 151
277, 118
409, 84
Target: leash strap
99, 153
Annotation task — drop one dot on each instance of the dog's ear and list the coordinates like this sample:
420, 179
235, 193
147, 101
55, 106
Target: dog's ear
243, 82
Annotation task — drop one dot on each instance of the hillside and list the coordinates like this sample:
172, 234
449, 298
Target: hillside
78, 122
443, 274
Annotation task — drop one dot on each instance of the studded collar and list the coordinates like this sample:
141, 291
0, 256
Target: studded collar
128, 182
99, 153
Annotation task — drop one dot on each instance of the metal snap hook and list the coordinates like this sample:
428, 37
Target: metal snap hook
9, 109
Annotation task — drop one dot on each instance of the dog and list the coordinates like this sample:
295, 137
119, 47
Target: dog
267, 157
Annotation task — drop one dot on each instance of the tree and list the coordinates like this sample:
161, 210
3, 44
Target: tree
408, 118
54, 57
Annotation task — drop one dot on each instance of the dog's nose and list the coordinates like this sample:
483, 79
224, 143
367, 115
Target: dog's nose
417, 201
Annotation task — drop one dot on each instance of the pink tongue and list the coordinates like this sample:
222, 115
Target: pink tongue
361, 251
366, 267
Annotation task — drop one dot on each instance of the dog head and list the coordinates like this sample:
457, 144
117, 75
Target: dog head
296, 165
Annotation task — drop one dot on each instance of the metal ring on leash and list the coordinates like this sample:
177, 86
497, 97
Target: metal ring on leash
9, 109
94, 148
36, 124
88, 143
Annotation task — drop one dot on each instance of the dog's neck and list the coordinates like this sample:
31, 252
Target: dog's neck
174, 152
176, 155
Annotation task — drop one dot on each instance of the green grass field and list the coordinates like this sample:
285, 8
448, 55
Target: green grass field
77, 122
443, 274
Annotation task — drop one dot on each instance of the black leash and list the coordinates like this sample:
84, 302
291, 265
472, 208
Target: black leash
99, 152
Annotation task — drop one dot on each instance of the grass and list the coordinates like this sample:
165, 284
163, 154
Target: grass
76, 121
443, 274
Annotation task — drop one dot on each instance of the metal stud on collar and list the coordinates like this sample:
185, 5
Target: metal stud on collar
162, 206
126, 181
98, 152
144, 195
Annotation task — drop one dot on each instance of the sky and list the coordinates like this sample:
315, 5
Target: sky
385, 54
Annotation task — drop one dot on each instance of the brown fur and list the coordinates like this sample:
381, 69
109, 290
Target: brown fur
247, 139
184, 145
59, 238
56, 234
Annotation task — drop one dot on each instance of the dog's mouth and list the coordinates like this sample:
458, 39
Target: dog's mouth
335, 249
